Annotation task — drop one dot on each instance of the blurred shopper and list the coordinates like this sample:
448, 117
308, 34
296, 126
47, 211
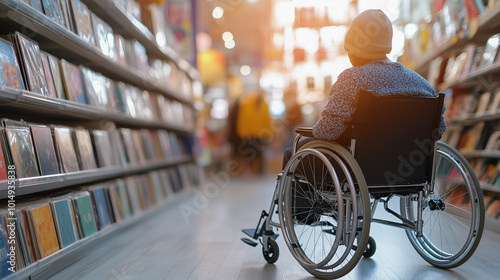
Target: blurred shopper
293, 112
255, 127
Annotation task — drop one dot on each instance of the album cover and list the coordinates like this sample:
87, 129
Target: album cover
66, 14
52, 10
138, 144
103, 148
155, 182
124, 198
119, 152
116, 203
135, 195
84, 150
44, 149
55, 73
120, 50
148, 145
84, 213
66, 149
72, 81
145, 196
24, 236
21, 148
490, 50
35, 4
100, 207
31, 63
126, 137
113, 104
64, 221
95, 87
157, 146
48, 75
166, 182
3, 163
4, 249
83, 23
104, 37
45, 230
10, 73
164, 141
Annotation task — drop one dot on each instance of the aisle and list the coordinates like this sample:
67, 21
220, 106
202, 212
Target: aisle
207, 245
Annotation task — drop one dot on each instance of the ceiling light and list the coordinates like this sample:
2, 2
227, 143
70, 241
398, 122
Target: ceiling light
227, 36
230, 44
245, 70
218, 12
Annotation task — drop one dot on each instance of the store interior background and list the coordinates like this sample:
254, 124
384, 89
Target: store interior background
292, 50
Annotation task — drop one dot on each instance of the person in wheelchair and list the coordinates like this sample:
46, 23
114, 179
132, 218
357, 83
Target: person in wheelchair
367, 43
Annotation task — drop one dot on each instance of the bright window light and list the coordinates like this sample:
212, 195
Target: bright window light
229, 44
245, 70
218, 12
227, 36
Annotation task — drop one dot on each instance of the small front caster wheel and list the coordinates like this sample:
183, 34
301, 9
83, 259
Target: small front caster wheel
273, 251
370, 248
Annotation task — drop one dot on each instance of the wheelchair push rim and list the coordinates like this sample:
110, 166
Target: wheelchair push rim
453, 212
334, 235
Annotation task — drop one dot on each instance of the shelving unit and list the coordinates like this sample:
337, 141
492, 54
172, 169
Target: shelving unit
16, 15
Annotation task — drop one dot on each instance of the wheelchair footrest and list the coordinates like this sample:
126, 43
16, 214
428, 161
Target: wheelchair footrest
252, 232
249, 242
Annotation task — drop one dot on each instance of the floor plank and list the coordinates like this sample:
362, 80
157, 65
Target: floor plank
206, 245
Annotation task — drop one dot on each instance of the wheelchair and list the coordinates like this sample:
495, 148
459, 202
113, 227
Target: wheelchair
326, 195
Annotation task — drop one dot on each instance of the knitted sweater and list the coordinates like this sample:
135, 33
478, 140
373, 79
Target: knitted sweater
383, 78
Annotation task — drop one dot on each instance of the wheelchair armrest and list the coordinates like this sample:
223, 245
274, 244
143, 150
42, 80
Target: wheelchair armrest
304, 131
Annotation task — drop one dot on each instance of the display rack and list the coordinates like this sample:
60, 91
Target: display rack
488, 25
16, 15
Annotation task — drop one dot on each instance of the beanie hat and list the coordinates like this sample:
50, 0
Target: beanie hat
369, 36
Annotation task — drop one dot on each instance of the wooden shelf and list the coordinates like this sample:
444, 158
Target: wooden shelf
38, 184
58, 40
46, 106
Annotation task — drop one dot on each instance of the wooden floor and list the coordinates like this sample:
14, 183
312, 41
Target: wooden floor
206, 245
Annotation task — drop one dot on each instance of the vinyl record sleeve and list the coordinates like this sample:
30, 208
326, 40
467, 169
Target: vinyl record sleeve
155, 182
24, 237
21, 149
56, 74
104, 37
36, 4
138, 144
101, 207
66, 14
66, 149
116, 203
48, 75
4, 249
85, 212
135, 195
64, 222
44, 149
73, 82
121, 57
45, 229
124, 198
83, 21
126, 136
32, 61
95, 88
10, 73
3, 162
103, 148
84, 150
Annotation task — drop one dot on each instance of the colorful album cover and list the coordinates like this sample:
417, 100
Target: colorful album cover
135, 195
157, 145
48, 75
141, 56
64, 221
85, 212
116, 203
101, 207
21, 149
56, 75
45, 230
27, 241
35, 4
113, 104
95, 87
120, 50
84, 150
10, 73
104, 37
65, 12
126, 137
44, 149
82, 20
4, 250
22, 245
31, 64
66, 149
72, 82
3, 164
124, 199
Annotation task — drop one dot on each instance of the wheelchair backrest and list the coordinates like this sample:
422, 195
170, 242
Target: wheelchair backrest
395, 138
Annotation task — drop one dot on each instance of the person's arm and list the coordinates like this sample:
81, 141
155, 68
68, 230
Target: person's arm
338, 112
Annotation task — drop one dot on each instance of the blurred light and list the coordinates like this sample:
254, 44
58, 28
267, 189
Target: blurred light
278, 40
245, 70
229, 44
218, 12
227, 36
410, 30
219, 109
284, 13
277, 108
307, 109
307, 38
203, 41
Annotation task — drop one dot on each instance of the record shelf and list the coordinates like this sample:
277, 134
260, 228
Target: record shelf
65, 44
480, 77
